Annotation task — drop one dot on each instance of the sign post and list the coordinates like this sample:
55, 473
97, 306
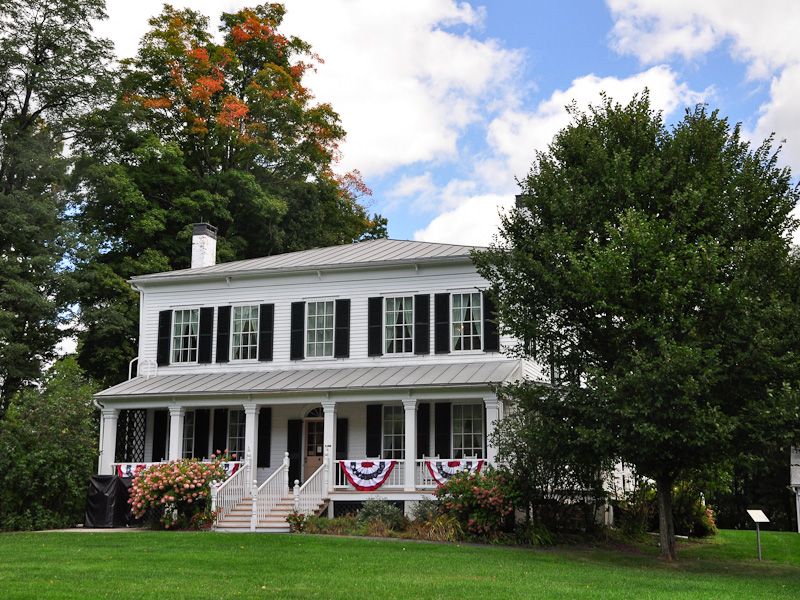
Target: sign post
758, 517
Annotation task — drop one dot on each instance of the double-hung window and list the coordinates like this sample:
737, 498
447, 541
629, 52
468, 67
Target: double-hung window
467, 430
185, 326
244, 339
399, 325
236, 433
188, 434
394, 432
319, 329
467, 321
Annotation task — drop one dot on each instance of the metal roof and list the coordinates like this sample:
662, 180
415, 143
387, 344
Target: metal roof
318, 380
361, 254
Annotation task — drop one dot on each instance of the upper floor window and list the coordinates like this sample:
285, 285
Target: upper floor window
188, 434
467, 430
394, 432
467, 321
185, 324
319, 329
244, 341
399, 325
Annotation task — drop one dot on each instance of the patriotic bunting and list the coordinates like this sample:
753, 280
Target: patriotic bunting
130, 470
367, 475
443, 470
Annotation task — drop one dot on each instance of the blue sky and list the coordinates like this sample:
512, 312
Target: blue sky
446, 102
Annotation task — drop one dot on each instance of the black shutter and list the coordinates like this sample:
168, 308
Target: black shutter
164, 330
266, 333
160, 426
422, 324
223, 334
202, 418
374, 327
341, 337
298, 331
294, 445
341, 439
442, 434
220, 438
441, 318
374, 427
491, 332
423, 430
206, 334
264, 433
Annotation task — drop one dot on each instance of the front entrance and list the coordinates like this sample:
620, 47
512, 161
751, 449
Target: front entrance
313, 446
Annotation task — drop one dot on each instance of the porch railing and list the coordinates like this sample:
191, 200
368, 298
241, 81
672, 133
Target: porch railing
313, 492
271, 492
423, 478
230, 493
394, 481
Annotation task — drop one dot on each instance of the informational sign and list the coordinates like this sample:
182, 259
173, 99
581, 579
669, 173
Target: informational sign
758, 516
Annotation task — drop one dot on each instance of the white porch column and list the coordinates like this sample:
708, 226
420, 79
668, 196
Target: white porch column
492, 416
108, 440
251, 438
410, 408
329, 438
176, 414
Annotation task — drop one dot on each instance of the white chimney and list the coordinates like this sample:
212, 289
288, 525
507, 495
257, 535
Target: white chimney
204, 245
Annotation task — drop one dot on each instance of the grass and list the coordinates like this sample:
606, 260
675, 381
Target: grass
207, 565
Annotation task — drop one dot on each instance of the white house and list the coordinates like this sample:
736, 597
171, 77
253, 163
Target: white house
364, 370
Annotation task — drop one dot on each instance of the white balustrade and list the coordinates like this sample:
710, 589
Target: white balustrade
314, 491
424, 479
271, 492
230, 493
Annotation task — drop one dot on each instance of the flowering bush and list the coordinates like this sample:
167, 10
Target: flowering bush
296, 521
178, 491
482, 502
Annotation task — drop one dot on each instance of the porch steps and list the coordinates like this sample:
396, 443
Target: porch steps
238, 519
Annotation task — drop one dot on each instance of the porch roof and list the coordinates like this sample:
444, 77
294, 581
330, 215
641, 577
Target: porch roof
318, 380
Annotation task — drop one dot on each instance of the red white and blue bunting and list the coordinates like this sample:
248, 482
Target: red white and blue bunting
130, 469
367, 475
231, 467
443, 470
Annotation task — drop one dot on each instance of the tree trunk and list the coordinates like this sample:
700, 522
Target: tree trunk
666, 526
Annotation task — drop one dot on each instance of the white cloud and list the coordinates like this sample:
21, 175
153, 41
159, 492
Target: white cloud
474, 221
413, 186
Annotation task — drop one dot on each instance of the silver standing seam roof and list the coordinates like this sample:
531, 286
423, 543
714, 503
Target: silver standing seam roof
318, 380
362, 254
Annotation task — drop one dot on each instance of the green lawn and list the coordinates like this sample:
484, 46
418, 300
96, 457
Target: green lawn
209, 565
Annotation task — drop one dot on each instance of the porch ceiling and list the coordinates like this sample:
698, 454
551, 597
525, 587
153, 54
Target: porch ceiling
319, 380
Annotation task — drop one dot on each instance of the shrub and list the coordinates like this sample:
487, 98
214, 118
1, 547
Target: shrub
296, 521
426, 510
481, 502
177, 491
346, 525
532, 534
380, 510
439, 528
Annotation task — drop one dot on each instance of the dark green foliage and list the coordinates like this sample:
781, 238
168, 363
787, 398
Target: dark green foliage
51, 70
380, 510
48, 451
652, 268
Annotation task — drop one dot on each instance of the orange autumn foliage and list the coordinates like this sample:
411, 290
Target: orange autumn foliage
233, 110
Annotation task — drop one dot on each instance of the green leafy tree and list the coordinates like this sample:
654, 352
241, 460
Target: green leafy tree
224, 133
51, 70
653, 268
48, 451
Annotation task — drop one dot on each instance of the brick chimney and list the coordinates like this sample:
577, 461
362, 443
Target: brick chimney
204, 245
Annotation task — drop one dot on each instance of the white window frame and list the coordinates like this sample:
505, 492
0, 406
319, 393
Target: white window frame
306, 328
479, 322
386, 324
258, 332
240, 429
397, 417
172, 337
471, 451
188, 442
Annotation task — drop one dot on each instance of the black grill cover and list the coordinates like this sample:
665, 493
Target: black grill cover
107, 502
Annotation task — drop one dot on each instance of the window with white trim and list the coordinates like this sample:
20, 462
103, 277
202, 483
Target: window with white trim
185, 327
319, 329
467, 430
394, 432
236, 421
467, 321
188, 434
398, 337
244, 333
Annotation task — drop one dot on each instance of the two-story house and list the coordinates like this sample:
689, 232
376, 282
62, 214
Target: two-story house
364, 370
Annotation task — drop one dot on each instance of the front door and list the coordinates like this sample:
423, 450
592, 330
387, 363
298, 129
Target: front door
313, 446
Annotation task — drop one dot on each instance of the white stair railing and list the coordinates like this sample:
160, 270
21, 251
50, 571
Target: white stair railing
270, 493
314, 491
230, 493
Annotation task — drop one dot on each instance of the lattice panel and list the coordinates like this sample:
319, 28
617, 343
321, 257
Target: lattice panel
130, 435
